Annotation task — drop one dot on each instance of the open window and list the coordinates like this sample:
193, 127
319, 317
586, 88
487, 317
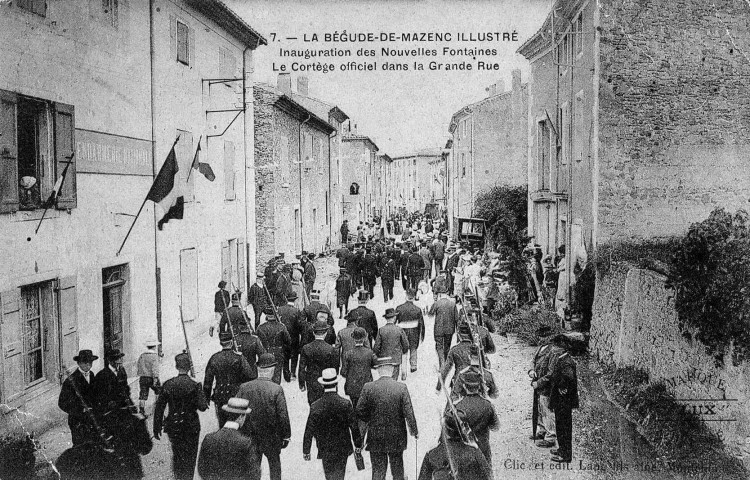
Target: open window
37, 142
354, 189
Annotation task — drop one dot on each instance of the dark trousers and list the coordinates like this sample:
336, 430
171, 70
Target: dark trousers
274, 464
335, 467
81, 430
412, 334
564, 427
414, 281
290, 363
405, 282
257, 311
387, 291
184, 453
442, 346
396, 371
370, 286
380, 462
221, 415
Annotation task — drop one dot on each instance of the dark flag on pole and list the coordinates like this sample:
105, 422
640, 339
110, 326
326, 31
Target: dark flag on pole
164, 181
175, 212
204, 168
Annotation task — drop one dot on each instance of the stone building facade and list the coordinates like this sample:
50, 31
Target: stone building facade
292, 151
103, 87
414, 178
489, 145
358, 177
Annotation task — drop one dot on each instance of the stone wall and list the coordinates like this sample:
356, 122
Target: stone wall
675, 134
635, 324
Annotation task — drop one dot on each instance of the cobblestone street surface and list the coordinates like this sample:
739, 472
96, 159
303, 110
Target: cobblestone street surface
514, 455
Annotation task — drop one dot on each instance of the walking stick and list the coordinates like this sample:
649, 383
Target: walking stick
92, 418
187, 345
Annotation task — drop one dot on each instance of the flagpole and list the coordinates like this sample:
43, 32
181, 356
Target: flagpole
139, 212
47, 204
192, 166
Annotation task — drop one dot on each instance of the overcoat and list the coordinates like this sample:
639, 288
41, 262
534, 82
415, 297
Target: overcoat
385, 405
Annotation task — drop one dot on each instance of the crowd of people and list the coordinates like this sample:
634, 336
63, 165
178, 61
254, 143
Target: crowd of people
280, 330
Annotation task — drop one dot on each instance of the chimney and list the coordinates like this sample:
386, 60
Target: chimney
302, 83
516, 74
284, 83
500, 86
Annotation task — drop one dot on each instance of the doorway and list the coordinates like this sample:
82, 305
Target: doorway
113, 294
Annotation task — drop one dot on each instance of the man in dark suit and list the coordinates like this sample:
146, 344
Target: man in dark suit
344, 290
294, 321
357, 366
228, 453
258, 298
387, 277
230, 371
459, 357
404, 265
221, 303
385, 406
370, 272
185, 398
283, 284
310, 273
250, 347
411, 321
268, 423
563, 399
415, 268
330, 422
465, 461
364, 317
541, 376
312, 309
344, 339
112, 389
277, 341
446, 319
315, 357
78, 399
233, 315
392, 342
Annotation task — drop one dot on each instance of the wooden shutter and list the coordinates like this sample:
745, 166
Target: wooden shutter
11, 338
229, 170
226, 263
68, 318
172, 38
241, 260
65, 152
191, 46
8, 152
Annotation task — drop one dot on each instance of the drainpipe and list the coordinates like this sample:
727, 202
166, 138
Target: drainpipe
249, 167
329, 218
157, 279
299, 146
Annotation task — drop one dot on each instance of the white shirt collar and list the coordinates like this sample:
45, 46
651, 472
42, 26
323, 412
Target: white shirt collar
114, 370
232, 425
85, 374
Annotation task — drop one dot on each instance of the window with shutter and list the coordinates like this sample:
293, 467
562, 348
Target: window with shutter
65, 155
183, 47
241, 265
12, 344
68, 323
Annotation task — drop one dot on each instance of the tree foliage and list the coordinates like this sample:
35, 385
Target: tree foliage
711, 270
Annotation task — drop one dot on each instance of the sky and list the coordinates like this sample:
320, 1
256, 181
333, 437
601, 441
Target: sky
402, 111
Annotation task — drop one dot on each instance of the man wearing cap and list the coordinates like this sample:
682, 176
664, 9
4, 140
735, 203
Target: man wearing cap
229, 370
228, 453
270, 275
446, 319
333, 424
465, 462
250, 347
310, 272
268, 424
459, 356
357, 365
344, 289
392, 342
315, 357
148, 374
221, 303
185, 398
258, 298
234, 315
78, 398
365, 318
480, 414
489, 387
277, 341
294, 321
411, 321
385, 406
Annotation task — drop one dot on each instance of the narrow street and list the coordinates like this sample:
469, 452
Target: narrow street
514, 455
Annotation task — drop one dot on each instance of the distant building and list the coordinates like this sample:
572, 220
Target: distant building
107, 87
489, 145
414, 175
292, 164
358, 177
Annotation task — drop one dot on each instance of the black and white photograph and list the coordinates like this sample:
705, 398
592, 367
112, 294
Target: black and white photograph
375, 239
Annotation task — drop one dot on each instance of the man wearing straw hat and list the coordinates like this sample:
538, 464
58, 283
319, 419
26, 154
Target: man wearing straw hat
185, 398
148, 373
228, 453
333, 424
385, 406
268, 424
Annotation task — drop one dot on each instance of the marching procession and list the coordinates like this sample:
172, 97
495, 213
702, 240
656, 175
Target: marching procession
281, 333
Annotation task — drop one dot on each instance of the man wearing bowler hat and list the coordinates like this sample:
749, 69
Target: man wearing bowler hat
385, 406
229, 370
364, 317
333, 424
392, 342
111, 383
268, 423
315, 357
294, 321
221, 303
228, 453
357, 365
185, 398
78, 397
